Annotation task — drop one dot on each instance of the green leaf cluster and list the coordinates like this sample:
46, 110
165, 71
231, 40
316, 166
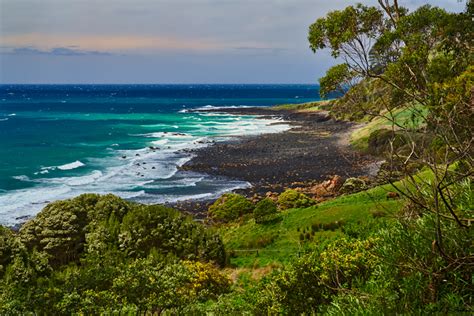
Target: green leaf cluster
229, 207
293, 199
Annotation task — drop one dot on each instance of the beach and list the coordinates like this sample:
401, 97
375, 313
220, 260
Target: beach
314, 149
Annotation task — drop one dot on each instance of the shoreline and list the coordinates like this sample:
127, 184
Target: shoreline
315, 148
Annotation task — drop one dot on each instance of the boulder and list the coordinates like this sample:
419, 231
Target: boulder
327, 188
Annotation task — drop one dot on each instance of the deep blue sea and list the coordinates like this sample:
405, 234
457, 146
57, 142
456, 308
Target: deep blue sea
58, 141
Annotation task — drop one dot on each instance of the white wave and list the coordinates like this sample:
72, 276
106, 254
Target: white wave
27, 202
4, 119
22, 178
74, 181
167, 135
43, 171
12, 114
72, 165
131, 195
213, 107
160, 142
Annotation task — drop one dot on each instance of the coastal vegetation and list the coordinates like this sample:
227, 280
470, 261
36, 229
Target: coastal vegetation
400, 242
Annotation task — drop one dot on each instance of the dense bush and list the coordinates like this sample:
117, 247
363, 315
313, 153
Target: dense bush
230, 206
293, 199
157, 227
94, 224
306, 285
265, 210
109, 284
58, 230
96, 254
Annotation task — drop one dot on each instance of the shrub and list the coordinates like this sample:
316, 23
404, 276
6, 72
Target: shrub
265, 211
59, 230
379, 141
230, 206
161, 228
353, 185
294, 199
311, 281
94, 224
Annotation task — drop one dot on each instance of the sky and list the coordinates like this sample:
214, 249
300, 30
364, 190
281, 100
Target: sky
166, 41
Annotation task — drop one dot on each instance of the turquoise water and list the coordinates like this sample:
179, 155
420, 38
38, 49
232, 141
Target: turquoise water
58, 141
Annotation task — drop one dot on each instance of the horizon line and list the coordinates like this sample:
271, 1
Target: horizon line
171, 83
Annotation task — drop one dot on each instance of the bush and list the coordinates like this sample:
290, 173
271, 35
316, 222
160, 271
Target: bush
167, 231
265, 211
353, 185
230, 206
309, 282
59, 230
294, 199
379, 141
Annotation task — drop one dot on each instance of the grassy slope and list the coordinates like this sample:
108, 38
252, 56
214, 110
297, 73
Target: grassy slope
401, 117
278, 242
309, 106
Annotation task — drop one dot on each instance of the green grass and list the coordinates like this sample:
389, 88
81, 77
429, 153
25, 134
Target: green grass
402, 117
258, 245
308, 106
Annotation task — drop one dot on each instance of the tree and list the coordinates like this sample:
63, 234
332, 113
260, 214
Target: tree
425, 60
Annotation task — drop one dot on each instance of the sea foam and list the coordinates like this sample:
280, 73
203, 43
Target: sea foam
146, 175
72, 165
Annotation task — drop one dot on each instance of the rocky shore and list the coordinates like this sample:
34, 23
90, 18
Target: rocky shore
315, 149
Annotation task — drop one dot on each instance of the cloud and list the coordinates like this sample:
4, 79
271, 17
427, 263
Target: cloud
259, 51
56, 51
109, 43
74, 45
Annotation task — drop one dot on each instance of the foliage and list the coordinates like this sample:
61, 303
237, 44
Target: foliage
308, 284
58, 230
337, 79
6, 248
158, 227
293, 199
356, 254
265, 210
96, 254
230, 206
425, 59
384, 140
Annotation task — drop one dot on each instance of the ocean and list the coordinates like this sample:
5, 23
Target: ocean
59, 141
